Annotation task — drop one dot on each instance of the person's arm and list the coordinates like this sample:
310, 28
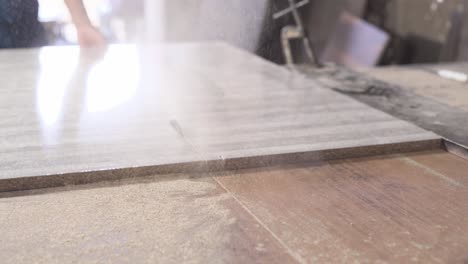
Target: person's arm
88, 35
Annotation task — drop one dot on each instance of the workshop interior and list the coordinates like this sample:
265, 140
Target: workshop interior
255, 131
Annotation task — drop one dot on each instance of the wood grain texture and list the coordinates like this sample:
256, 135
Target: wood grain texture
179, 220
71, 112
385, 209
444, 164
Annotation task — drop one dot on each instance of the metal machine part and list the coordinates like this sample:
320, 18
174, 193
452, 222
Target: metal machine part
295, 32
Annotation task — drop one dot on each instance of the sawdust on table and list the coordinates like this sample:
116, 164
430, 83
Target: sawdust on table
167, 221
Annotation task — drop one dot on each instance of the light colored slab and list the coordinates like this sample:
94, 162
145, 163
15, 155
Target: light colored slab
65, 112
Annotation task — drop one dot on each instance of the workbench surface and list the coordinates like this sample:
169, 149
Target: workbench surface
385, 209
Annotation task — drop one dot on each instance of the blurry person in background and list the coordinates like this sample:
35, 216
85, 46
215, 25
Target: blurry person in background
20, 28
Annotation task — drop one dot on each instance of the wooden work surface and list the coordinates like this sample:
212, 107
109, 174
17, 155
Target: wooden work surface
385, 209
69, 116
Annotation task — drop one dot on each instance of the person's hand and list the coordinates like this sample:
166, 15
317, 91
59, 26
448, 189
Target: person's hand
89, 36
